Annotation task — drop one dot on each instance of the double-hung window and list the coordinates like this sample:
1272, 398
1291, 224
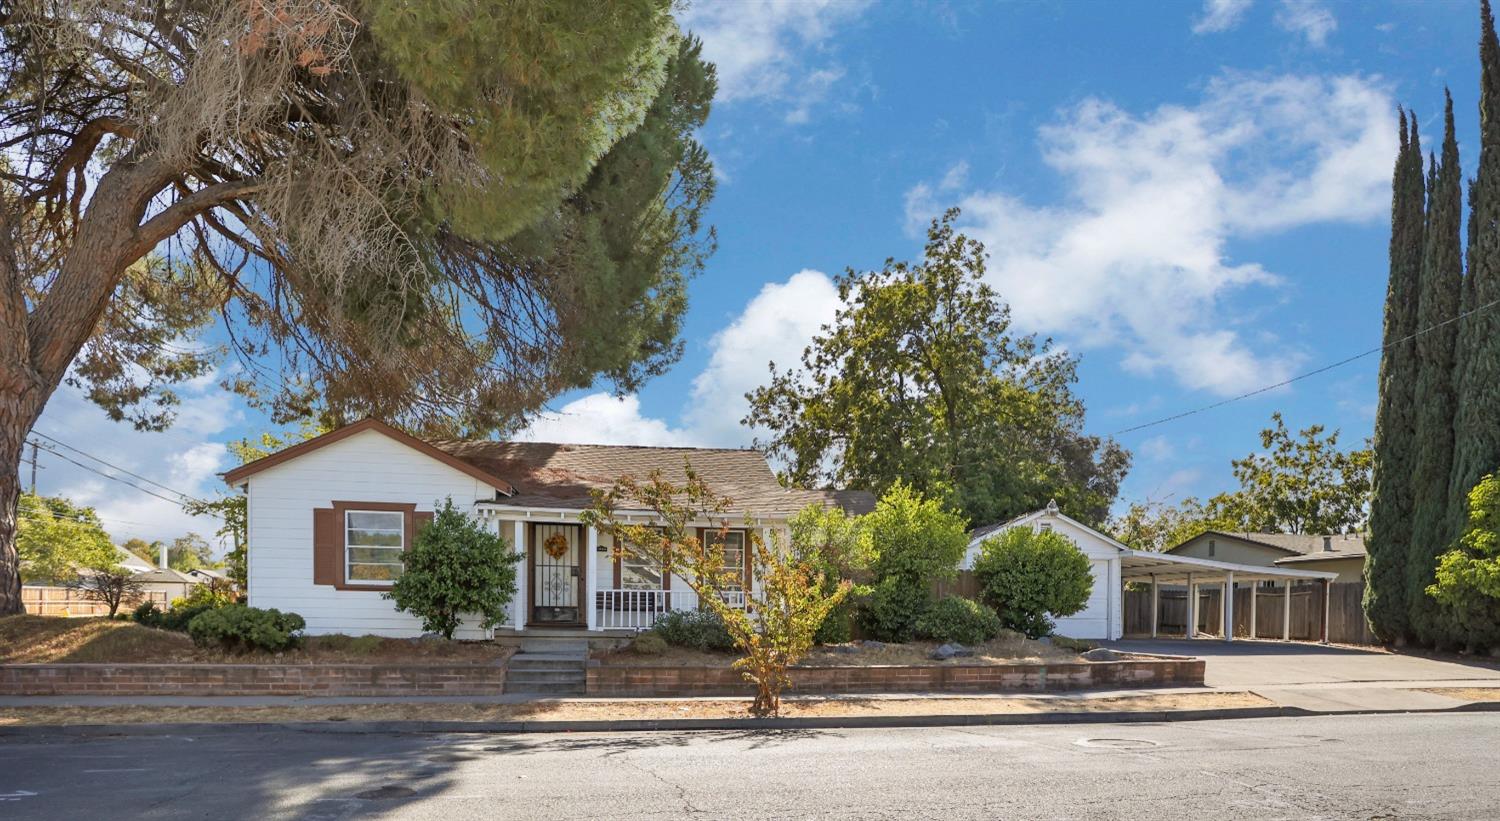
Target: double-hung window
374, 541
732, 543
639, 572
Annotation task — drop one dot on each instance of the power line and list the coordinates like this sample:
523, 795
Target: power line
109, 465
1299, 377
92, 469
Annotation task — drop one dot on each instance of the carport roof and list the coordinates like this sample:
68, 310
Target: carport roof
1171, 568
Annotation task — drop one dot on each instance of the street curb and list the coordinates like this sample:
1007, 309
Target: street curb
704, 724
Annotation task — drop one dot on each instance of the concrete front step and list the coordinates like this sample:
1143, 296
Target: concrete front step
560, 647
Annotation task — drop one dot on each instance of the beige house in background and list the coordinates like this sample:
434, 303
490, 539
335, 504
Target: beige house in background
1343, 554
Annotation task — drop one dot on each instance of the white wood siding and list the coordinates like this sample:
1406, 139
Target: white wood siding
366, 467
1103, 616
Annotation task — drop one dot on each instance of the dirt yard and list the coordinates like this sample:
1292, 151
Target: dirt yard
644, 709
1467, 693
1004, 650
50, 640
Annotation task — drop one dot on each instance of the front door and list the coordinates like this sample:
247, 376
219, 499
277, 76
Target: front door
556, 574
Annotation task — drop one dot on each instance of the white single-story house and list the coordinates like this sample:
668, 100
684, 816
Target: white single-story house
1341, 553
1114, 564
328, 520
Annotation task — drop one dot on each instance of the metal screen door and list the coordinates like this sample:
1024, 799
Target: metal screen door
557, 574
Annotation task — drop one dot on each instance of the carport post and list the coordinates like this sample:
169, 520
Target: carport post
1254, 591
1191, 629
1155, 605
1286, 610
1326, 591
1229, 605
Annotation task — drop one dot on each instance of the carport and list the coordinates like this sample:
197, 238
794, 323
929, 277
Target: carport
1158, 569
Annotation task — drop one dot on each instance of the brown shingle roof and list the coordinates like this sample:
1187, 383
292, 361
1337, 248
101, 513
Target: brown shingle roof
1306, 544
550, 475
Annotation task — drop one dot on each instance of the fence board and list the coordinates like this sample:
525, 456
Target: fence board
65, 601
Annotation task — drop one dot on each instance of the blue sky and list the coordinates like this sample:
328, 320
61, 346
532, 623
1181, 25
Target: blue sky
1192, 197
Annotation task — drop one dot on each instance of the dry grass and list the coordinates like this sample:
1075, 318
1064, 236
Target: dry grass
1004, 650
48, 639
1467, 693
604, 710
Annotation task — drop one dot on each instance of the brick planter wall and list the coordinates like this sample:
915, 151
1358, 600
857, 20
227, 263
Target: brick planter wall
252, 679
956, 678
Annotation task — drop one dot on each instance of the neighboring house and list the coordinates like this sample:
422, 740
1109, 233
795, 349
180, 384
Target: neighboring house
1343, 554
203, 575
1102, 617
329, 519
132, 562
171, 583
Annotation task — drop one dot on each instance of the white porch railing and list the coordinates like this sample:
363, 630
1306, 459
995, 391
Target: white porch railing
620, 609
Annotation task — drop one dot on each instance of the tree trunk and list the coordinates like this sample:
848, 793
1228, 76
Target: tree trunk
18, 412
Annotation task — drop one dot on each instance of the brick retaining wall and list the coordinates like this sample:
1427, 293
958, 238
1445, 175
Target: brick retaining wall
252, 679
958, 678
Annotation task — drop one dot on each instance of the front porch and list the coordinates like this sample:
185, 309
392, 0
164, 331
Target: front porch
571, 583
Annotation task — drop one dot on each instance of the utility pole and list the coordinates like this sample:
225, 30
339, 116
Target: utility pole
33, 467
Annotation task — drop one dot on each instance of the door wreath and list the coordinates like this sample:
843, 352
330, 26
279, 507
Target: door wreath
556, 545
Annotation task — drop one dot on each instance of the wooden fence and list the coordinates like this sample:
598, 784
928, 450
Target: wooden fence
1346, 615
965, 584
65, 601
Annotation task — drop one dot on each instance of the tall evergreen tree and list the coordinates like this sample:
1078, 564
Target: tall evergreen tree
1395, 417
1438, 297
1476, 447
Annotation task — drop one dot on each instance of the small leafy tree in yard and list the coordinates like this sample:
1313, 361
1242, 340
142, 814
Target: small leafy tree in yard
110, 586
838, 546
1030, 576
454, 567
776, 627
56, 539
1468, 576
914, 541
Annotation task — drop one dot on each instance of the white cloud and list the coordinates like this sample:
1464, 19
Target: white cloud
1220, 15
1135, 256
1309, 18
758, 47
775, 326
1157, 448
186, 458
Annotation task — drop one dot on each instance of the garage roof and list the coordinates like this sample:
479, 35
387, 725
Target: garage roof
1171, 568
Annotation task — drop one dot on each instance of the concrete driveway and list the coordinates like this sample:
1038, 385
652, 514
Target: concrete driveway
1244, 664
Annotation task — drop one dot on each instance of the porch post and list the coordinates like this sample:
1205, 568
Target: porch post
518, 604
1229, 606
1286, 610
1155, 604
591, 580
1192, 609
1326, 597
1254, 594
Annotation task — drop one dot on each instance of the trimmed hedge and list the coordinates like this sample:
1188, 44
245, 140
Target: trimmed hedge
955, 618
239, 628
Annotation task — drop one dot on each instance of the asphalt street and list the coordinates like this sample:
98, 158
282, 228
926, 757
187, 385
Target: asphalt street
1392, 766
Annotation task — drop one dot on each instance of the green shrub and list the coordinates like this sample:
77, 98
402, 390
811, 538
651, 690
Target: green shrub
892, 610
697, 629
649, 644
838, 627
955, 618
238, 628
147, 614
456, 567
1031, 576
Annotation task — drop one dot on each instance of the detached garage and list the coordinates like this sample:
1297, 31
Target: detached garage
1103, 617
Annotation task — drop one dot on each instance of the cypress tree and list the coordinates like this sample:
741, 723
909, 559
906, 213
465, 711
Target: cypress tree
1439, 291
1476, 447
1395, 415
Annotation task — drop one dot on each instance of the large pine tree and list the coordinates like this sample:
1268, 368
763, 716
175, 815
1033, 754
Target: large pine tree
1476, 449
1395, 415
1439, 289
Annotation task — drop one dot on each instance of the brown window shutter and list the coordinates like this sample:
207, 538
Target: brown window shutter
328, 546
420, 519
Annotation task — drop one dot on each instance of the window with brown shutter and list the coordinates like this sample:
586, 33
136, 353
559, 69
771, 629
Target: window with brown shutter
342, 540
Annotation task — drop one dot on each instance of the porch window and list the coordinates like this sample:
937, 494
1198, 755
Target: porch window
732, 543
639, 572
374, 541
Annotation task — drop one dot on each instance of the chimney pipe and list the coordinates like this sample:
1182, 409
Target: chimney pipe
1327, 544
162, 554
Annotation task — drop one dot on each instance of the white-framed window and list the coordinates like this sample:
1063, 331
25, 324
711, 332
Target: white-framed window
639, 572
374, 541
732, 543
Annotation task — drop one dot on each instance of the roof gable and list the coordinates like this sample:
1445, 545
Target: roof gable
245, 471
